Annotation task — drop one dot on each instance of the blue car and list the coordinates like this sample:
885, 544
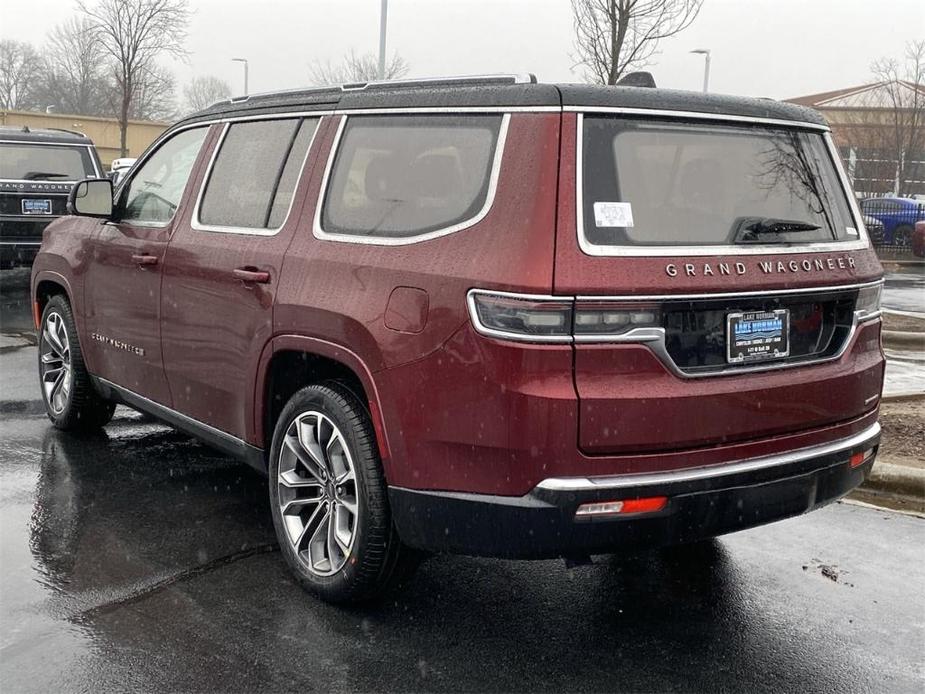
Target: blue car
898, 216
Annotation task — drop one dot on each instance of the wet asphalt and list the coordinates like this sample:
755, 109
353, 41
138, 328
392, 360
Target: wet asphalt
905, 291
142, 560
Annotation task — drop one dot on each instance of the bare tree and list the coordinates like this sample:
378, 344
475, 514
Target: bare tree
75, 78
134, 34
356, 68
204, 91
904, 133
614, 37
155, 95
20, 74
883, 127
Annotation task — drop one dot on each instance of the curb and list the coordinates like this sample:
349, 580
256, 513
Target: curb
903, 338
899, 480
903, 397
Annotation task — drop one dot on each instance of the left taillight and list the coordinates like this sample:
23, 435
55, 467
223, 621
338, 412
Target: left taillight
524, 317
534, 318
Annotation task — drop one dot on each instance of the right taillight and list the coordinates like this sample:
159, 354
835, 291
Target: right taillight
868, 303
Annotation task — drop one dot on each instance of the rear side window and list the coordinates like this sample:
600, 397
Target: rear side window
403, 176
651, 183
255, 173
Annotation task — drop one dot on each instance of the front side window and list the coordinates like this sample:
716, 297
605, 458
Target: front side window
255, 173
650, 183
402, 176
37, 162
153, 194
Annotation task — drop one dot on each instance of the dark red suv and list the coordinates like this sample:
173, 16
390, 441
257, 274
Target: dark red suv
486, 316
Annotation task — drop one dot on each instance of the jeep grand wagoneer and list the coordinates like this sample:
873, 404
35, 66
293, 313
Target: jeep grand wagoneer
487, 315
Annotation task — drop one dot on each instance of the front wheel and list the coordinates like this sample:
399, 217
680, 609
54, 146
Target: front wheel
329, 498
71, 402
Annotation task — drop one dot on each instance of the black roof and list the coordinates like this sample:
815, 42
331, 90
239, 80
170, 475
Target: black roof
21, 133
501, 91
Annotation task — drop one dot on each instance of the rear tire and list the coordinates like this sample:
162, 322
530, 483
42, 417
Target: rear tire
71, 401
902, 235
329, 499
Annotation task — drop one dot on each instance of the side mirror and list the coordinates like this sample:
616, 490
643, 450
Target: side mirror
91, 198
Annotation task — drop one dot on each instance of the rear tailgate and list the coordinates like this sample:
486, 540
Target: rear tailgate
673, 385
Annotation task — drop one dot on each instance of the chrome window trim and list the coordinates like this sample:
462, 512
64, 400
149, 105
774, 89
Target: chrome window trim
603, 483
320, 233
655, 338
196, 225
447, 109
483, 329
142, 160
695, 115
752, 249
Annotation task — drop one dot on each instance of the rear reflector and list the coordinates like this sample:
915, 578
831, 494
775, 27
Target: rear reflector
861, 458
36, 314
649, 504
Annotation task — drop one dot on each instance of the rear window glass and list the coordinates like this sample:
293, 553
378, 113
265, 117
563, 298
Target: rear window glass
255, 173
664, 184
35, 162
401, 176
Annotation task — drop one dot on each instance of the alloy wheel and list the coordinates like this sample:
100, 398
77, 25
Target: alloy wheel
55, 363
318, 495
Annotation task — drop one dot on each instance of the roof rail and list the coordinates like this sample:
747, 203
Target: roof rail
65, 130
461, 80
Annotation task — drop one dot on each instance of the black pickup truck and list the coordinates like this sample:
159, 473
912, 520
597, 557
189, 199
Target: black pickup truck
37, 169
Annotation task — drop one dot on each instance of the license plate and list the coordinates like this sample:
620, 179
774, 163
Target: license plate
31, 206
757, 335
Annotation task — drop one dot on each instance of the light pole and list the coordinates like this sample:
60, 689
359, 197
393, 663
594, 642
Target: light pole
242, 60
383, 19
706, 67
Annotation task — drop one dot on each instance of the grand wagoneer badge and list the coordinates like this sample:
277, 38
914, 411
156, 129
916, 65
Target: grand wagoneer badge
842, 262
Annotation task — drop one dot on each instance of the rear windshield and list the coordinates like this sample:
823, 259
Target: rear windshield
36, 162
672, 184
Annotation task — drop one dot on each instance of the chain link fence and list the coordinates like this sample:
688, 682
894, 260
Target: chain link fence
891, 223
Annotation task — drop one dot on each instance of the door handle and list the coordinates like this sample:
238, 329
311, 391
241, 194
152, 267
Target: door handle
145, 259
246, 274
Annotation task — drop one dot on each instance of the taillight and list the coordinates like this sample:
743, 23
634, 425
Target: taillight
557, 319
602, 318
868, 302
539, 318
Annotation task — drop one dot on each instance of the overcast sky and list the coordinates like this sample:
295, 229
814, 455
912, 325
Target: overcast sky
776, 48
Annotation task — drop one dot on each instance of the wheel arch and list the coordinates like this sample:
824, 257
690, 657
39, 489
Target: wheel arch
45, 285
289, 362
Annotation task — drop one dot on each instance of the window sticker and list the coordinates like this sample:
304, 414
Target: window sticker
851, 231
613, 214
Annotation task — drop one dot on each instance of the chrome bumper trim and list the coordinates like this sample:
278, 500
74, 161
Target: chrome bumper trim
560, 484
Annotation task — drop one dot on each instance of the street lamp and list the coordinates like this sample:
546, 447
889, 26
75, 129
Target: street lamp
242, 60
706, 67
383, 18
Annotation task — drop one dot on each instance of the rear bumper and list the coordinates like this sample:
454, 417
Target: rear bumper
702, 502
